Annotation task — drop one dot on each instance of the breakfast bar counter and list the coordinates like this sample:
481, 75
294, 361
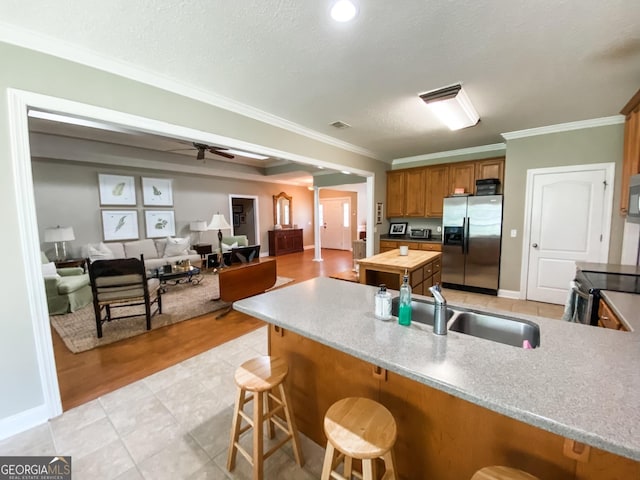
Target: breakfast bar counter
581, 384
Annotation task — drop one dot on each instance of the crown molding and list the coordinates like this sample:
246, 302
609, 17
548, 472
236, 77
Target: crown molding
565, 127
57, 48
494, 147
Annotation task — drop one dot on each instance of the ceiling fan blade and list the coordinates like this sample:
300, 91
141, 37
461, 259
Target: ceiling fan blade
221, 153
200, 155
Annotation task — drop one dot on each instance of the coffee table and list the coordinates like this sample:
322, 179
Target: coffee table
175, 277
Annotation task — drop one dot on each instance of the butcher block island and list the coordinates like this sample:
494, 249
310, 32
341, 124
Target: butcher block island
569, 409
423, 268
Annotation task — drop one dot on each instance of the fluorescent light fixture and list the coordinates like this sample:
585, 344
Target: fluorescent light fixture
246, 154
345, 172
343, 11
452, 106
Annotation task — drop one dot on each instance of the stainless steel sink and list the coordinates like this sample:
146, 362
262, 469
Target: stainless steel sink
509, 331
421, 311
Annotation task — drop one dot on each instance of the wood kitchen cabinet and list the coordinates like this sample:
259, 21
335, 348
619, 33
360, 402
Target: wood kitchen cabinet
439, 435
631, 152
462, 175
396, 188
386, 245
607, 318
437, 183
490, 168
287, 240
405, 193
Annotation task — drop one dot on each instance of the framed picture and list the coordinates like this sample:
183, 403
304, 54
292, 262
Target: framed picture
160, 223
378, 213
157, 192
116, 189
238, 209
399, 228
243, 218
120, 225
236, 219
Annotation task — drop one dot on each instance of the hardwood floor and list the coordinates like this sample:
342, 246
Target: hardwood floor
85, 376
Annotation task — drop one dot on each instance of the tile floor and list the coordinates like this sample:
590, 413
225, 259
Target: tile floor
175, 424
171, 425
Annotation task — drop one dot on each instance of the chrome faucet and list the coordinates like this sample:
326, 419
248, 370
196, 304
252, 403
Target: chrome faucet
440, 311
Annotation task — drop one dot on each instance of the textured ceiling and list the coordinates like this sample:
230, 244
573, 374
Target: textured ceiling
524, 64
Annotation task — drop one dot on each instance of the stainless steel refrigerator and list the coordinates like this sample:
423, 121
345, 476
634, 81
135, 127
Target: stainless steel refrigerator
472, 232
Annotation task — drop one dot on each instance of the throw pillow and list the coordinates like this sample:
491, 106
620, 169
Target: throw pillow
176, 247
49, 270
99, 251
227, 248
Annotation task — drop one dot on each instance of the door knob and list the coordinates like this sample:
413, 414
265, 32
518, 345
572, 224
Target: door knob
535, 245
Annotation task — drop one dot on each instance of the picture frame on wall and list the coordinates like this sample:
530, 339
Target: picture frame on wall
160, 223
120, 225
379, 213
116, 189
237, 209
157, 192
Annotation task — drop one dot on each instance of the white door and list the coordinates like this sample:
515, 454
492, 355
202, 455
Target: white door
569, 222
335, 223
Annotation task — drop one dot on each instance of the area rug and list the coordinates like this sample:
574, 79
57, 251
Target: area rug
179, 303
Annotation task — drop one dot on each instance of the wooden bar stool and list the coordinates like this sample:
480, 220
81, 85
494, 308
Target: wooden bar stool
502, 473
260, 376
359, 428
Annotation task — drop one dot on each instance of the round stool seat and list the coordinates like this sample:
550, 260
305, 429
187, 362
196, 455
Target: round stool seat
261, 373
502, 473
360, 428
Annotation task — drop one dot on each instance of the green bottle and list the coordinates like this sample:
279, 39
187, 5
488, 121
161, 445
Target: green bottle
404, 310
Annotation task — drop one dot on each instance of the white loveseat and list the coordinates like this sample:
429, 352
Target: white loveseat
156, 253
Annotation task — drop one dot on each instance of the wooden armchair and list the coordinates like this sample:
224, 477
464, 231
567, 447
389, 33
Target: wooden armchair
120, 283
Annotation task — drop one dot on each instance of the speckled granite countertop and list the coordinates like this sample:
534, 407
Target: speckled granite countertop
582, 383
626, 306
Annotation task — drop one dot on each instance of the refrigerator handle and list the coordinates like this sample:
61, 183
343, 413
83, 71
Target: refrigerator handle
465, 235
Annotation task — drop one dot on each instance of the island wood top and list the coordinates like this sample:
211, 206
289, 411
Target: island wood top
392, 260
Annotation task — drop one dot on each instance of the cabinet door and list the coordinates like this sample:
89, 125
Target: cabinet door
631, 159
386, 245
395, 193
462, 175
607, 318
414, 193
319, 376
437, 182
490, 168
431, 247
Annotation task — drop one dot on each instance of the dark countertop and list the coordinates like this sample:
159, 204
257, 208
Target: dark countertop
608, 268
407, 238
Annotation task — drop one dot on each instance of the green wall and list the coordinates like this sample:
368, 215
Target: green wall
575, 147
31, 71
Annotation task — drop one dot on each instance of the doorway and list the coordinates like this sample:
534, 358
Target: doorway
244, 217
335, 223
568, 220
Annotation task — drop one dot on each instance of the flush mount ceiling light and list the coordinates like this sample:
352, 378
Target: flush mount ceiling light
343, 11
452, 106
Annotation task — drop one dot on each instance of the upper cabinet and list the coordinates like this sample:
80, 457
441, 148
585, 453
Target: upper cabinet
631, 160
418, 192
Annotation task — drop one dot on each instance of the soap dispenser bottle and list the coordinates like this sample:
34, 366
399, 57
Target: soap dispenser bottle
404, 309
382, 309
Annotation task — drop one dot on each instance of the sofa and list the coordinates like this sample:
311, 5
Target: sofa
157, 253
67, 289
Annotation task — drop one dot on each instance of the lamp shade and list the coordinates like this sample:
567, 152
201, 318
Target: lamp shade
218, 222
58, 234
452, 107
198, 226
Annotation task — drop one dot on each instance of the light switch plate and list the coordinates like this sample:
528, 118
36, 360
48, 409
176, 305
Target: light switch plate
514, 233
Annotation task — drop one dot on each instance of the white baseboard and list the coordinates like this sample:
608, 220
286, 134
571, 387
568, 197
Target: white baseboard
22, 421
515, 294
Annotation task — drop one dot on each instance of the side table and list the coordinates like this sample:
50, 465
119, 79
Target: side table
70, 262
203, 249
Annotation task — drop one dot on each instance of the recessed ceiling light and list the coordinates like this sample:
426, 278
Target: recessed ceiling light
343, 11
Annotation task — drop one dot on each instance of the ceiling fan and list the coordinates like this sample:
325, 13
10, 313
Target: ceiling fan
202, 148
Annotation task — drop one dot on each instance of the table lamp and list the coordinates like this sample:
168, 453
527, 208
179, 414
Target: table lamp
219, 223
59, 235
198, 226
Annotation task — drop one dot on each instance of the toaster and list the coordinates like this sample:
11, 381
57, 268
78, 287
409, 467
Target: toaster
420, 233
